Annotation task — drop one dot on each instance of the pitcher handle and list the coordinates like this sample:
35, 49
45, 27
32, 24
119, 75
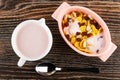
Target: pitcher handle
108, 53
21, 62
60, 9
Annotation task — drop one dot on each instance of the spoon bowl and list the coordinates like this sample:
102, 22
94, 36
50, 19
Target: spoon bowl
46, 69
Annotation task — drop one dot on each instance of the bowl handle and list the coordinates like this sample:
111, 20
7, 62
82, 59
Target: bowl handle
59, 10
108, 52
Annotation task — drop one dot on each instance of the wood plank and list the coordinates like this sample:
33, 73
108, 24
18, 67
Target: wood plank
14, 12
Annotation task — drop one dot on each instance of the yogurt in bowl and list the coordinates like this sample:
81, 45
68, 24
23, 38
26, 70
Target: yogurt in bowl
84, 31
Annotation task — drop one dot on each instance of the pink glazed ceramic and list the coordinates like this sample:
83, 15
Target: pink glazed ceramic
108, 48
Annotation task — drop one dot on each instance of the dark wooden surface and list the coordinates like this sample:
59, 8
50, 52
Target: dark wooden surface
12, 12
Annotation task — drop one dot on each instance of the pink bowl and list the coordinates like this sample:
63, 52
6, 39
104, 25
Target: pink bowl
109, 47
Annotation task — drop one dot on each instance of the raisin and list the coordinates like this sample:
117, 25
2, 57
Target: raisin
81, 24
77, 33
89, 35
101, 30
93, 22
101, 36
66, 24
97, 26
78, 39
97, 50
86, 17
77, 13
67, 36
84, 33
68, 19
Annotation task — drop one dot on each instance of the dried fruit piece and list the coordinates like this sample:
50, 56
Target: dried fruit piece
68, 37
86, 17
79, 19
81, 43
94, 30
77, 33
89, 35
76, 44
73, 39
97, 51
100, 30
85, 50
82, 24
78, 39
83, 28
84, 21
74, 14
84, 34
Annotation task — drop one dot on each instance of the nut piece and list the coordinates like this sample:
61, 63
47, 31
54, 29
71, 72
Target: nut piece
89, 30
85, 44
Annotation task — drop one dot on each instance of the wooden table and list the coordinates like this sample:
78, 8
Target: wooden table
12, 12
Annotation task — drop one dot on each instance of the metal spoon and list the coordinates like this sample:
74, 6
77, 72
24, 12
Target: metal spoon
47, 69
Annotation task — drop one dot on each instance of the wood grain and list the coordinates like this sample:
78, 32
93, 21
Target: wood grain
13, 12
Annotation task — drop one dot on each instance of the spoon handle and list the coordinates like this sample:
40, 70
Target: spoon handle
76, 69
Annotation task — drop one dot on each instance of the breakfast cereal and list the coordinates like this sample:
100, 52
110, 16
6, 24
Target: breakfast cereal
83, 32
